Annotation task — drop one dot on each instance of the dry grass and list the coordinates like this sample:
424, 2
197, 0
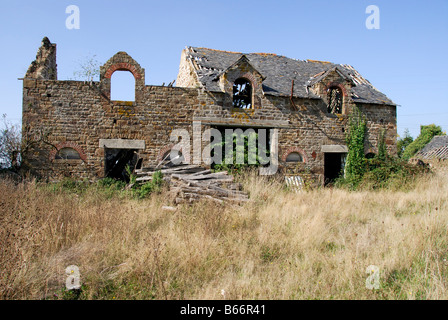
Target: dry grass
281, 245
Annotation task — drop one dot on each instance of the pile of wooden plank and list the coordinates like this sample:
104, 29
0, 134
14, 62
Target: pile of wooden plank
188, 183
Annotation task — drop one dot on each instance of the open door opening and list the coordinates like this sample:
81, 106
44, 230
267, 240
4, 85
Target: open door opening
334, 164
116, 162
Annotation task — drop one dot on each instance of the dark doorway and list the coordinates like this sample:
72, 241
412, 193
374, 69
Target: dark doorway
116, 162
333, 166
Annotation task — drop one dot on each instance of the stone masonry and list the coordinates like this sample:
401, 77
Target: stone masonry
79, 115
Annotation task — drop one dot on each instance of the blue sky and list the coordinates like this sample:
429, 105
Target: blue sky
406, 58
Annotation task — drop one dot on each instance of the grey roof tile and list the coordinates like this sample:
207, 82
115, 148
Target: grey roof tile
279, 71
436, 142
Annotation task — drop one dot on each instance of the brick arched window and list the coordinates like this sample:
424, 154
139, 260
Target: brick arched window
294, 157
242, 94
335, 100
67, 151
122, 86
67, 154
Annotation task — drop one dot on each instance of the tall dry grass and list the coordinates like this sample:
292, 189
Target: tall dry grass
280, 245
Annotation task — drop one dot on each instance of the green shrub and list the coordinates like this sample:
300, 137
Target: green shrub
154, 185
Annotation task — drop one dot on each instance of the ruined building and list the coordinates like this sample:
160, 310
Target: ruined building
73, 128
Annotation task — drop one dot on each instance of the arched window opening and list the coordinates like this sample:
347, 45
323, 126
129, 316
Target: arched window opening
67, 154
122, 85
334, 100
242, 94
294, 157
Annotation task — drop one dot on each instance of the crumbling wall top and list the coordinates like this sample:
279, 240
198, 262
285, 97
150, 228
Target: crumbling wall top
44, 67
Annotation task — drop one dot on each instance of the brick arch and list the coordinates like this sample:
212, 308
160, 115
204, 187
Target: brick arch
295, 149
121, 61
337, 85
168, 148
122, 66
66, 144
249, 77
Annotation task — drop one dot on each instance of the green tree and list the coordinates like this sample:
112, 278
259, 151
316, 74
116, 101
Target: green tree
426, 134
402, 143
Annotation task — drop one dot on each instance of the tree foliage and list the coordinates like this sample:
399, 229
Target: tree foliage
89, 69
426, 135
402, 143
10, 144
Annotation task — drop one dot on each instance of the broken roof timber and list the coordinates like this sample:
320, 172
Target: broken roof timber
279, 71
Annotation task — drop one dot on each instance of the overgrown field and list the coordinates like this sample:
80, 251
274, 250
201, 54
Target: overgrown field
316, 244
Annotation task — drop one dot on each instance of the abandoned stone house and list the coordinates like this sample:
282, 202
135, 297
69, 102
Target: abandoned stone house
73, 127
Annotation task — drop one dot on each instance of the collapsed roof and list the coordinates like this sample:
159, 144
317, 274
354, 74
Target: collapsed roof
279, 72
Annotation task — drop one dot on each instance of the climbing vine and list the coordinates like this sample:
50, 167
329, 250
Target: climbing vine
355, 166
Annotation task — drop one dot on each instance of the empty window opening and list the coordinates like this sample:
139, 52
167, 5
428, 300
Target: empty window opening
119, 162
241, 147
242, 94
122, 86
68, 154
294, 157
334, 100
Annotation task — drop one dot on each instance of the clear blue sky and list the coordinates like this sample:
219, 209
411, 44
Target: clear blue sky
406, 58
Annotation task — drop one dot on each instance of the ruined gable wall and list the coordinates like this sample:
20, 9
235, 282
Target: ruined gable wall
186, 76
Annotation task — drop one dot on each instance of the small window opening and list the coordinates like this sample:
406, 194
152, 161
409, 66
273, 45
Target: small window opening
242, 94
122, 86
68, 154
334, 100
294, 157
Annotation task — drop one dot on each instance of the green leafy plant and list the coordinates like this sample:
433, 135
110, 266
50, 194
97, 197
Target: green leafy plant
154, 185
249, 149
131, 175
355, 166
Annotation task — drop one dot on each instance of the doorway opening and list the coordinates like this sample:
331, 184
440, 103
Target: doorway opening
119, 161
334, 164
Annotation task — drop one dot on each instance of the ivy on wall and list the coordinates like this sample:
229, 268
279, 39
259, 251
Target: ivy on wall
355, 166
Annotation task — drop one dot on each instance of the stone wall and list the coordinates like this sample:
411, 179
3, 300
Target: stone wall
77, 114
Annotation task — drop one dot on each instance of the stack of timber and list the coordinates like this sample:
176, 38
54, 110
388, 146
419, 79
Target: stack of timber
188, 183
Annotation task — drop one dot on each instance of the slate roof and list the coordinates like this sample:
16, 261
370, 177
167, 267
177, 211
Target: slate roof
437, 148
279, 71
